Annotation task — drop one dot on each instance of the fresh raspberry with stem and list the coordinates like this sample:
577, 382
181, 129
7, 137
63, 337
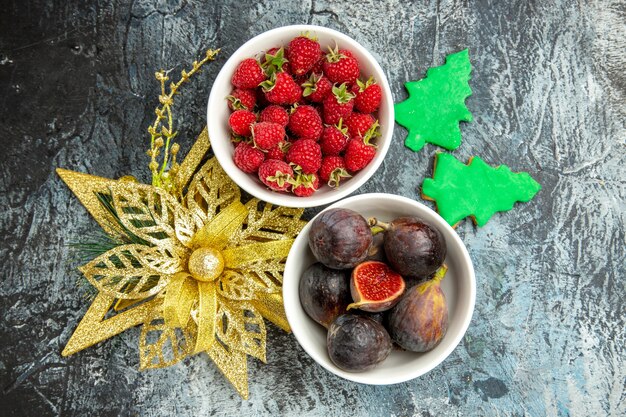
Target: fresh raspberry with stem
333, 170
248, 158
274, 61
304, 185
334, 139
306, 154
338, 105
360, 151
303, 52
241, 99
340, 66
240, 122
279, 151
316, 88
281, 89
305, 122
275, 174
248, 74
359, 123
266, 135
275, 114
368, 95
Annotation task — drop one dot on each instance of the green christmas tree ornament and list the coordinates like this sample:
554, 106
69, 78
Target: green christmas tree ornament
476, 189
436, 104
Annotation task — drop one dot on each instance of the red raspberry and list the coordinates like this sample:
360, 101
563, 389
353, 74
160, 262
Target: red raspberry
266, 135
334, 139
316, 88
306, 154
305, 185
248, 158
318, 67
359, 123
340, 66
338, 105
305, 123
248, 74
303, 53
240, 99
275, 114
368, 95
277, 175
240, 121
333, 169
274, 61
281, 89
359, 151
279, 151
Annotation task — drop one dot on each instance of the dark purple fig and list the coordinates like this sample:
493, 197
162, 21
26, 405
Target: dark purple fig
340, 238
324, 293
420, 320
357, 343
413, 248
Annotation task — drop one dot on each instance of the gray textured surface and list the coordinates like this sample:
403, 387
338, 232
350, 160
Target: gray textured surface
547, 337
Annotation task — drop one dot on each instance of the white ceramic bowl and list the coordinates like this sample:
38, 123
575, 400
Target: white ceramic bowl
459, 286
218, 113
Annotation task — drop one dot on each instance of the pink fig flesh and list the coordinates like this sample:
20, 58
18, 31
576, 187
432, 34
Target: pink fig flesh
375, 287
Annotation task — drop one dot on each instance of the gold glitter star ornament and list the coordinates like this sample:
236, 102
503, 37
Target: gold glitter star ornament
202, 273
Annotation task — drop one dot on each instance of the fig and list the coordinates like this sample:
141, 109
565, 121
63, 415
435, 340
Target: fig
420, 320
413, 248
375, 287
357, 343
340, 238
324, 293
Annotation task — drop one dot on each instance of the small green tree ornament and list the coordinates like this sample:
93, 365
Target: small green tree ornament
476, 189
436, 104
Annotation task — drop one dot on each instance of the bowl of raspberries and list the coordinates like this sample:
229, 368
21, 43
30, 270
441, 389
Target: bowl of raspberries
300, 116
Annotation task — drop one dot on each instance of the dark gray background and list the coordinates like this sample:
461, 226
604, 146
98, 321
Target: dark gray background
547, 336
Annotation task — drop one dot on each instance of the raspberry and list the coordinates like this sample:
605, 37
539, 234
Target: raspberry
240, 99
277, 175
240, 121
306, 154
359, 123
248, 74
266, 135
303, 53
359, 151
248, 158
279, 151
318, 66
338, 105
340, 66
275, 114
305, 123
274, 61
332, 170
305, 185
316, 88
281, 89
368, 95
334, 139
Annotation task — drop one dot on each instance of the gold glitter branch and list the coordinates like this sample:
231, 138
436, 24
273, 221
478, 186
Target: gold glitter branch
162, 130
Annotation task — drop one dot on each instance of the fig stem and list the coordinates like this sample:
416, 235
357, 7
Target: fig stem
440, 273
376, 226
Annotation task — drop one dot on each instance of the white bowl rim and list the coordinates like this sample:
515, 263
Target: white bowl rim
362, 377
348, 187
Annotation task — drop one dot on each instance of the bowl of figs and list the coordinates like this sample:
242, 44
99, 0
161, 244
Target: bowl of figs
378, 289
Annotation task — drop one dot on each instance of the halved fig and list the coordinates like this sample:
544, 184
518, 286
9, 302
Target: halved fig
375, 287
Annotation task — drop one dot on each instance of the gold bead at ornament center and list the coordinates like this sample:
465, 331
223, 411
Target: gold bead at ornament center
206, 264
